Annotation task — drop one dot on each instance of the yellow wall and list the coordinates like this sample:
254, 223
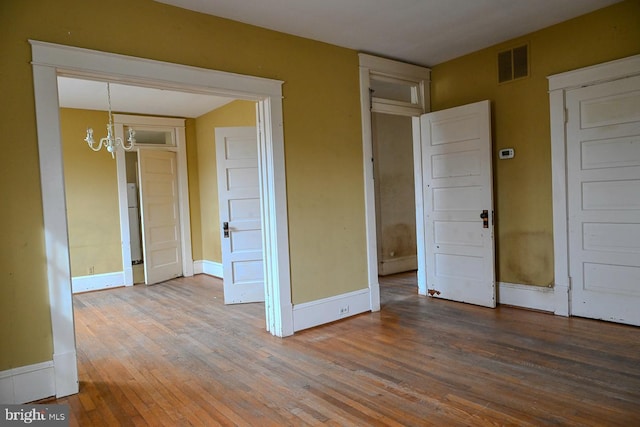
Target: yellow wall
91, 186
323, 147
322, 133
236, 113
521, 120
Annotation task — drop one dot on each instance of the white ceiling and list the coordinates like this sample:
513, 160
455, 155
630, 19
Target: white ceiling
92, 95
423, 32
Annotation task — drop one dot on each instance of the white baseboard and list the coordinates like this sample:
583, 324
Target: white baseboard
211, 268
397, 265
315, 313
27, 383
526, 296
197, 267
95, 282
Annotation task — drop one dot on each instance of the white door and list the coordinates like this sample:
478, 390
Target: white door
160, 215
240, 225
458, 204
603, 178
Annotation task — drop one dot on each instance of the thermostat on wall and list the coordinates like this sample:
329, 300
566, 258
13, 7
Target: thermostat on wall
506, 153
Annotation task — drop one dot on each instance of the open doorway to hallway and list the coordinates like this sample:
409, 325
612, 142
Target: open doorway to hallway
395, 193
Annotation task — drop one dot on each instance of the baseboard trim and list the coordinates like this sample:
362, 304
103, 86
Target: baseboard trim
319, 312
211, 268
397, 265
96, 282
526, 296
197, 267
27, 383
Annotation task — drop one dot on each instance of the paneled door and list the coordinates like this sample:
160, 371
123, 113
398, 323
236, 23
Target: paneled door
603, 178
239, 205
160, 215
458, 204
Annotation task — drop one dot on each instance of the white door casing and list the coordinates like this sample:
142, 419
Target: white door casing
239, 206
160, 211
559, 87
419, 78
176, 127
603, 177
48, 61
458, 189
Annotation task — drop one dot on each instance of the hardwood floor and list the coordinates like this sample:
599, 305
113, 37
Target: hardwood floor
173, 354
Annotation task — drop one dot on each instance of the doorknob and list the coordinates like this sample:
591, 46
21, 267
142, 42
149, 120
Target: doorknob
225, 229
485, 218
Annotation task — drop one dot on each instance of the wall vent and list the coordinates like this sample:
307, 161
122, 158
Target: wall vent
513, 64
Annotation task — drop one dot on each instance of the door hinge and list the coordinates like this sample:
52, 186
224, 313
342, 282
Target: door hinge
566, 115
371, 98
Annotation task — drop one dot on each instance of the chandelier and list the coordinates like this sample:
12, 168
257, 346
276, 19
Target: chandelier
110, 142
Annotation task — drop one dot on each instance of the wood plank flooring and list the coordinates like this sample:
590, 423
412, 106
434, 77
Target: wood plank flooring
173, 354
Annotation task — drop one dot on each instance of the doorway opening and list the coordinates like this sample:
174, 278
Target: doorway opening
394, 193
153, 195
49, 61
389, 88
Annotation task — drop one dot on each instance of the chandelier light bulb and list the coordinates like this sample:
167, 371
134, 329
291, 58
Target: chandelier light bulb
109, 141
89, 137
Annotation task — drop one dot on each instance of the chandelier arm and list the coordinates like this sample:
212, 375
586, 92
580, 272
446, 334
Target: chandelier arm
91, 145
131, 139
125, 146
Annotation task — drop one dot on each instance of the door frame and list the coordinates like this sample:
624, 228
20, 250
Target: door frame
559, 85
421, 76
50, 60
160, 123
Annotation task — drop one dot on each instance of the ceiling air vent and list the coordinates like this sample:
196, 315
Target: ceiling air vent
513, 64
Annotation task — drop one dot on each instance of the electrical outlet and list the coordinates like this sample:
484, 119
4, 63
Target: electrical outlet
92, 270
343, 310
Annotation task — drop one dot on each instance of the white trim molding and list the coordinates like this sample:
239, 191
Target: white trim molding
27, 383
421, 236
559, 85
595, 74
55, 224
96, 282
211, 268
315, 313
